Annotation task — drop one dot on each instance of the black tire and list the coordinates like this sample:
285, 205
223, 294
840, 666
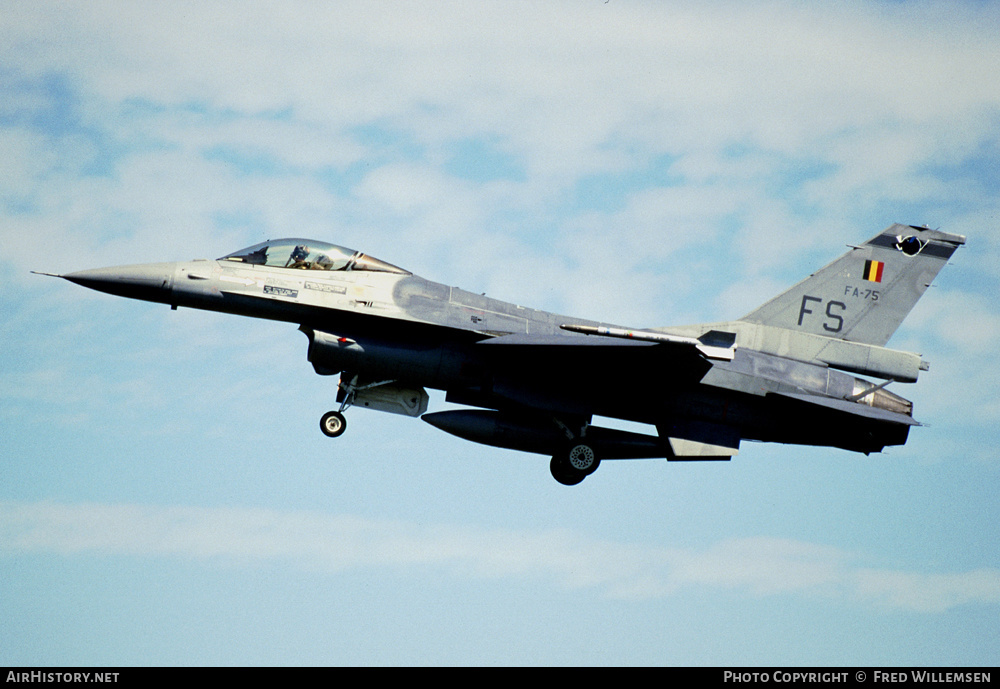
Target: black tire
333, 424
564, 473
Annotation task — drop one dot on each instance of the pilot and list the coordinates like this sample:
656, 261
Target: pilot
298, 257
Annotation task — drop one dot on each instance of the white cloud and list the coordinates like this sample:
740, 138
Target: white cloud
782, 75
336, 543
568, 90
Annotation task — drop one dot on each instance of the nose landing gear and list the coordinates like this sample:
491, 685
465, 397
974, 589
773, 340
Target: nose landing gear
333, 424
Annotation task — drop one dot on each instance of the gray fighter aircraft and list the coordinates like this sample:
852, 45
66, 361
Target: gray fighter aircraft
533, 381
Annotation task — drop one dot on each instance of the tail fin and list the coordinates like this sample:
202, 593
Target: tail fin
865, 294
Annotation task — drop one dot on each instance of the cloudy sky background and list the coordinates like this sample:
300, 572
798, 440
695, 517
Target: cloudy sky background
167, 497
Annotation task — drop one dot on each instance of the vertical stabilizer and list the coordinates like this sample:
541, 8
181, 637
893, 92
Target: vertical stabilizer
865, 294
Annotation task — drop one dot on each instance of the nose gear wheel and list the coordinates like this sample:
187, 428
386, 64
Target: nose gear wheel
333, 424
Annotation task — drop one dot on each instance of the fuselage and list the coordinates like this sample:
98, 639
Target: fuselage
388, 324
533, 381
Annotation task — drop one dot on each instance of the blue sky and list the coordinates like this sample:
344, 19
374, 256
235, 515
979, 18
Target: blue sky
167, 497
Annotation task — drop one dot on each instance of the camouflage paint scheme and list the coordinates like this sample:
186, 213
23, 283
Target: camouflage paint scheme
786, 372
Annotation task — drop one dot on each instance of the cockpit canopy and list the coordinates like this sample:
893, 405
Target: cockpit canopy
306, 254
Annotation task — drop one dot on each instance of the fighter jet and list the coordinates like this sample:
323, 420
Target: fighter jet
787, 372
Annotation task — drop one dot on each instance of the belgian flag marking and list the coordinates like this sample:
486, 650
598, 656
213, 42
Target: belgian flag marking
873, 271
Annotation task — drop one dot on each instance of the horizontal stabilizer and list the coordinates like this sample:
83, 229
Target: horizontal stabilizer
854, 408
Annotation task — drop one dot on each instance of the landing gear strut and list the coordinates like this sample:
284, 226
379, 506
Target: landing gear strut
334, 423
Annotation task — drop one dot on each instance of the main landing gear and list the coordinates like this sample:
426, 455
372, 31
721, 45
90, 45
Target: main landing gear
573, 464
574, 460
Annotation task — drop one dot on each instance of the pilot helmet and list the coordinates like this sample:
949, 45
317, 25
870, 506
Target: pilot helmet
300, 252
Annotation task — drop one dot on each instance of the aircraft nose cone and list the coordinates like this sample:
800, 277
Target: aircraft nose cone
148, 281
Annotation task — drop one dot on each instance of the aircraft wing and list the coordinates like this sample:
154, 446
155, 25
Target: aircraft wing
573, 373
